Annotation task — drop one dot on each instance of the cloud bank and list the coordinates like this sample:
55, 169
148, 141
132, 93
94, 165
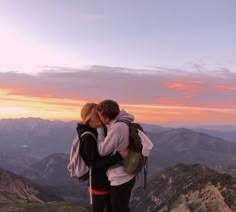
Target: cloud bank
166, 92
131, 86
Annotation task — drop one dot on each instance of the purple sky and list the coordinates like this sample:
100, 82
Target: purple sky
135, 34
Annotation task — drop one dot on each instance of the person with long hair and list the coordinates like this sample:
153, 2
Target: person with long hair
99, 185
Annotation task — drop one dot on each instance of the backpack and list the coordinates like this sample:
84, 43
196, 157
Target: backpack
139, 148
77, 167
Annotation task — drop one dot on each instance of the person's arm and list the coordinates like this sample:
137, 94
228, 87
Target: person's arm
89, 147
101, 134
107, 161
112, 140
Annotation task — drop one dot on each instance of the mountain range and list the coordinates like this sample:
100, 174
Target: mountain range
52, 172
35, 138
18, 189
181, 145
228, 134
20, 194
187, 188
39, 151
181, 188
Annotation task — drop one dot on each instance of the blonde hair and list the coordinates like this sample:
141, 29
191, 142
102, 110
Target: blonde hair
87, 111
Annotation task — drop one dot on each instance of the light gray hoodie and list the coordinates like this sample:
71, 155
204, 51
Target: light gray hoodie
117, 139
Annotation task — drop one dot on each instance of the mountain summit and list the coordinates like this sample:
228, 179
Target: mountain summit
14, 188
186, 188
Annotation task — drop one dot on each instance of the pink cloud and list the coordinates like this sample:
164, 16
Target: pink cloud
181, 87
226, 88
125, 85
152, 96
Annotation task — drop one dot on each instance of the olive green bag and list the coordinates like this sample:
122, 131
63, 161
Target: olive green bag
134, 162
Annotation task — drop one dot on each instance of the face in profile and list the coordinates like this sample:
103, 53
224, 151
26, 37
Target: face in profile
95, 122
105, 120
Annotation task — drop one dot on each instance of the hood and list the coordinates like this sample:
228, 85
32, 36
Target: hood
124, 116
81, 128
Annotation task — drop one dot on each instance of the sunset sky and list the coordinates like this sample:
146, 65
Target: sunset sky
165, 61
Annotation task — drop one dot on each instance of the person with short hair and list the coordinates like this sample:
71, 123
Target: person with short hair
121, 183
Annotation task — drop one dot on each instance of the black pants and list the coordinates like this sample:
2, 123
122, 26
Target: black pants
120, 196
101, 203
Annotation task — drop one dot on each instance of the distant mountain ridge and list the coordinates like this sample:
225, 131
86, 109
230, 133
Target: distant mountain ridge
52, 172
171, 146
45, 145
187, 188
20, 194
229, 135
24, 142
31, 140
180, 138
36, 138
182, 145
14, 188
15, 162
49, 171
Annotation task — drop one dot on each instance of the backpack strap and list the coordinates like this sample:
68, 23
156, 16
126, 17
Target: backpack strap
125, 121
145, 172
90, 187
90, 170
88, 133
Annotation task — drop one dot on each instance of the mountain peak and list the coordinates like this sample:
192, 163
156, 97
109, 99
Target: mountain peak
187, 188
14, 188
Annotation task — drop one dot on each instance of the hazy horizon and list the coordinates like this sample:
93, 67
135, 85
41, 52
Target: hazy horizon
216, 126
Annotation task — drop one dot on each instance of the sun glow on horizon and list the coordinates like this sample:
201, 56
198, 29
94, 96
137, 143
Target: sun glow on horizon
68, 109
20, 106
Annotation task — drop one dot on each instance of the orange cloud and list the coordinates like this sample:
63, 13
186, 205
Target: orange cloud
181, 114
170, 101
227, 104
60, 95
180, 86
16, 106
226, 88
